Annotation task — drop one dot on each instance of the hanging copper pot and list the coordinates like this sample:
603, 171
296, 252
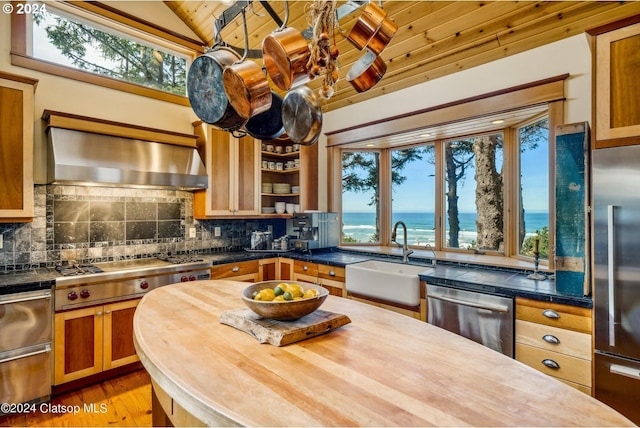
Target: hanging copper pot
373, 29
366, 72
245, 84
285, 53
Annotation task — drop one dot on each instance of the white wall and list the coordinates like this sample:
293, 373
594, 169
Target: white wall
571, 55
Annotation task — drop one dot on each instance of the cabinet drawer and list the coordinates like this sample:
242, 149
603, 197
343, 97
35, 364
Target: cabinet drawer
333, 273
554, 314
250, 267
554, 339
569, 368
305, 268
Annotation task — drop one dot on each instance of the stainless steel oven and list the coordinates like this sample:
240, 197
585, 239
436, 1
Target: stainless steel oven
25, 346
484, 318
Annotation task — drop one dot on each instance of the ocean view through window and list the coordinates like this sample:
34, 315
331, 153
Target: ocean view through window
359, 226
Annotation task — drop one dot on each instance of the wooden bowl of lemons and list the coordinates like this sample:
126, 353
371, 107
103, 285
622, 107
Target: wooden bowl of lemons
284, 300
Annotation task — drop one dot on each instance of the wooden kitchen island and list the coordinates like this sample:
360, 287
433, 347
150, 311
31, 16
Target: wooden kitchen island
382, 369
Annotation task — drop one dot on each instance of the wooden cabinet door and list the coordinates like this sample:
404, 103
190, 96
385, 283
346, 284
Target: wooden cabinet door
285, 269
246, 180
118, 346
16, 148
617, 83
234, 176
78, 344
269, 269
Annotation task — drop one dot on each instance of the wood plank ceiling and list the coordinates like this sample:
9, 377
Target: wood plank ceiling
434, 39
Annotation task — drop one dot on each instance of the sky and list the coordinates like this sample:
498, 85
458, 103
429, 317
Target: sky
418, 195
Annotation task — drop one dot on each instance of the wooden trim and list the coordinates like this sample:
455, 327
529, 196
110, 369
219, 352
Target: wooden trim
20, 79
107, 127
629, 141
137, 23
540, 92
613, 25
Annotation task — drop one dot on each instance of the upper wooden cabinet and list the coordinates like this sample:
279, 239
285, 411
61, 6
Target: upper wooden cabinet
236, 174
617, 83
233, 167
16, 147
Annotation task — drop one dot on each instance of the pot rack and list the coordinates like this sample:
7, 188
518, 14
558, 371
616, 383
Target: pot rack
236, 9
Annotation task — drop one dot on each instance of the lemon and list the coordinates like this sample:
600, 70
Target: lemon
268, 294
312, 292
296, 290
279, 298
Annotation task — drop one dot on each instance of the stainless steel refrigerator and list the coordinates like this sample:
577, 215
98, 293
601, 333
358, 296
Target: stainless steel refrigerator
616, 293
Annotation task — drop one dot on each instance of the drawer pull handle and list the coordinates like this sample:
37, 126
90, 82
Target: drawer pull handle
551, 364
305, 268
332, 273
550, 338
549, 313
235, 269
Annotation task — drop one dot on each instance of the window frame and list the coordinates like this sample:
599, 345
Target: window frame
549, 92
120, 22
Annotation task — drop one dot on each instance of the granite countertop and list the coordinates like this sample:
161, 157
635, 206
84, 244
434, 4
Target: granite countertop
511, 282
26, 280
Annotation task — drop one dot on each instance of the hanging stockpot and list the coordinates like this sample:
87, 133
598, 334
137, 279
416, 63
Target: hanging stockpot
206, 91
245, 84
366, 72
267, 125
285, 53
373, 29
302, 115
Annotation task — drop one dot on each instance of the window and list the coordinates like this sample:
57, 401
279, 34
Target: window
413, 193
73, 42
94, 43
474, 193
469, 176
360, 197
533, 219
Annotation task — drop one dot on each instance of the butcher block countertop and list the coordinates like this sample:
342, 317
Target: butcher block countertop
381, 369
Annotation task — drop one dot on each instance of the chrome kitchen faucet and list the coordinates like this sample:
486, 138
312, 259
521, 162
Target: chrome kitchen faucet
405, 250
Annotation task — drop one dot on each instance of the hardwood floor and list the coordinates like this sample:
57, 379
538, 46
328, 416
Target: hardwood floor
121, 401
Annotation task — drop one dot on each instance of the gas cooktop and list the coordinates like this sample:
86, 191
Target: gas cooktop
78, 269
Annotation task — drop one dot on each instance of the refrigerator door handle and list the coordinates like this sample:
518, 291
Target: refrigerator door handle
625, 371
610, 274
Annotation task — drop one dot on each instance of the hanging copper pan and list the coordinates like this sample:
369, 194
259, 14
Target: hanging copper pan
245, 84
373, 29
302, 115
285, 53
366, 72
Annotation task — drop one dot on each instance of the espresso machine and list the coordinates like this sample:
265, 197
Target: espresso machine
314, 230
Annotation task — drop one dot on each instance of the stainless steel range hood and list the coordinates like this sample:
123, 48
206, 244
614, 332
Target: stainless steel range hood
78, 157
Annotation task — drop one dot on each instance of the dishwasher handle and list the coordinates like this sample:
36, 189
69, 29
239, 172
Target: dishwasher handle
487, 306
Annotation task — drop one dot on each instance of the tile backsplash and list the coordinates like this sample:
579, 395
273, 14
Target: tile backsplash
99, 224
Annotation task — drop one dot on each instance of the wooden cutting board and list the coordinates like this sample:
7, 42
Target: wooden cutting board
280, 333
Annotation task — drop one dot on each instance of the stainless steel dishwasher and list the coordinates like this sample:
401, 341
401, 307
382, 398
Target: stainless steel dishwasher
484, 318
